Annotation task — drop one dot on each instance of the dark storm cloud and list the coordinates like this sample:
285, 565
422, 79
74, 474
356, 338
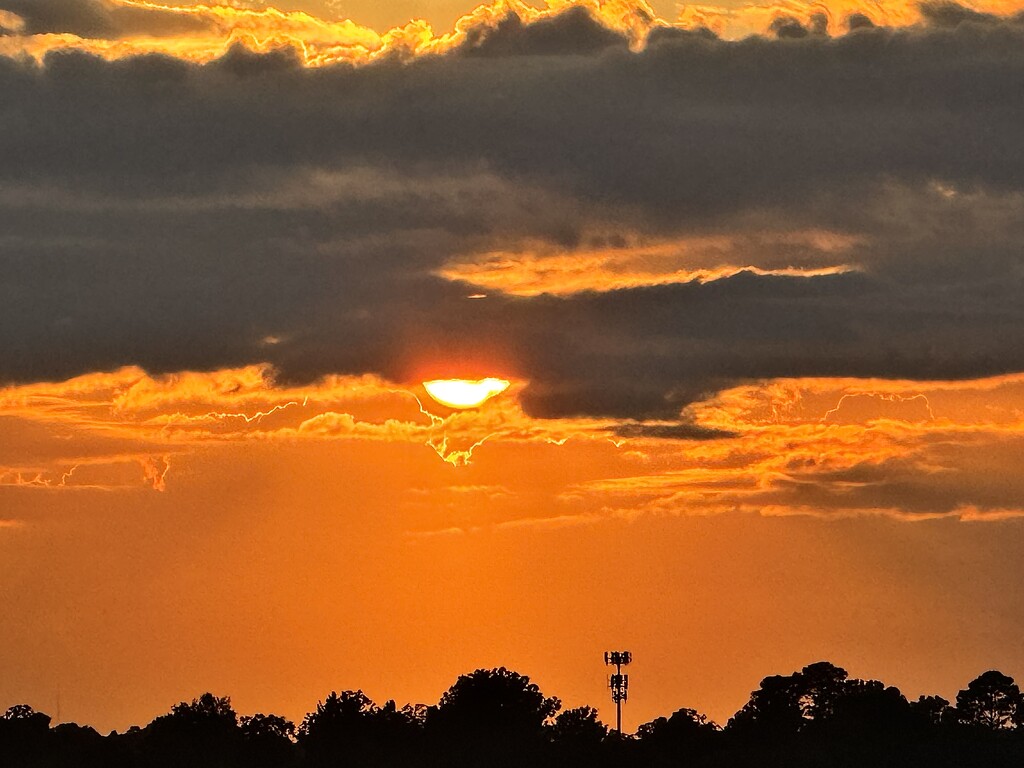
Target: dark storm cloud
88, 18
97, 18
942, 13
907, 482
783, 26
573, 32
181, 216
681, 431
858, 21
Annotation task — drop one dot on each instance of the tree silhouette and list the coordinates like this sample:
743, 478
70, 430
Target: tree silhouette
348, 728
686, 733
821, 685
992, 700
337, 729
202, 732
340, 715
80, 746
491, 717
261, 726
269, 740
815, 718
578, 727
207, 710
786, 704
681, 725
932, 710
23, 733
774, 709
495, 701
23, 712
869, 710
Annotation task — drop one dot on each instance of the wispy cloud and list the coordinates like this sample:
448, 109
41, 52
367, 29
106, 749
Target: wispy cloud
822, 447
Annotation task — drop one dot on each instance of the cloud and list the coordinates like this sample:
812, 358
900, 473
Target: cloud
205, 31
109, 19
784, 26
944, 13
858, 200
125, 430
822, 446
669, 431
81, 17
616, 263
572, 33
907, 450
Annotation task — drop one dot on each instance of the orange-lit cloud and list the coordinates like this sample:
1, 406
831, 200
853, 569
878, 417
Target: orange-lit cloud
909, 450
214, 28
531, 272
204, 32
109, 420
912, 450
833, 17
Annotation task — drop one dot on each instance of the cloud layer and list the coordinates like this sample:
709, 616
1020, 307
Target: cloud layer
798, 207
821, 447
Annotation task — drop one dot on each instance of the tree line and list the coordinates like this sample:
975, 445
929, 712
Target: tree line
818, 717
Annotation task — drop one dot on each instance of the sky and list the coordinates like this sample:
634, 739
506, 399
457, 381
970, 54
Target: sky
752, 273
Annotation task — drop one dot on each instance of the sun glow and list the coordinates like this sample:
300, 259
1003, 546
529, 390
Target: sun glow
464, 393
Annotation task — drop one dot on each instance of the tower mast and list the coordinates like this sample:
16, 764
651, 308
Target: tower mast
618, 682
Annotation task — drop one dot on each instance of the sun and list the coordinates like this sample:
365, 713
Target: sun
464, 393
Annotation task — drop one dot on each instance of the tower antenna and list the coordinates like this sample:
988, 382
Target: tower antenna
618, 682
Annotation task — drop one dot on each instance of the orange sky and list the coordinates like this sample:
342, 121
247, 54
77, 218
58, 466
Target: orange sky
158, 543
242, 522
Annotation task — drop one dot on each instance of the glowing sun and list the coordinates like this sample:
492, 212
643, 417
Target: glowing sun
464, 393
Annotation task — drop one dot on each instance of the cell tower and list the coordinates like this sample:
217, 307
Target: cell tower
618, 682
